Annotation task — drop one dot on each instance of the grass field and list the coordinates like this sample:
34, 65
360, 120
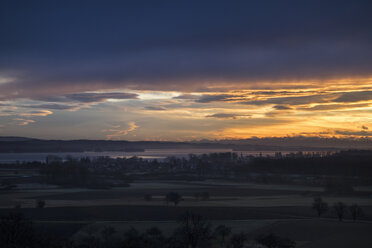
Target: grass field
222, 194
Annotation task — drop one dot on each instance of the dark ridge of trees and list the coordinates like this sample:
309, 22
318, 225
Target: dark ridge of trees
337, 172
84, 172
16, 231
344, 163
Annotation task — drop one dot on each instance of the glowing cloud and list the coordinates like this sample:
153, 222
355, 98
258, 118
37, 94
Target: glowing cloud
117, 132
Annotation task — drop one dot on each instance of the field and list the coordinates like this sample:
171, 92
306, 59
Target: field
251, 208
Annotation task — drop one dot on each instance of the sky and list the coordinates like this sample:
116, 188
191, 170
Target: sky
185, 70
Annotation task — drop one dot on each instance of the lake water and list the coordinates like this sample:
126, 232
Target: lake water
158, 154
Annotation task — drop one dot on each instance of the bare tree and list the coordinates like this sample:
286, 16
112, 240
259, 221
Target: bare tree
238, 240
16, 231
107, 234
154, 238
340, 209
194, 230
133, 239
320, 206
222, 232
355, 211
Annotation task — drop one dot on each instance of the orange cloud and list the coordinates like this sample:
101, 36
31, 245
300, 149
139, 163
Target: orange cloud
117, 131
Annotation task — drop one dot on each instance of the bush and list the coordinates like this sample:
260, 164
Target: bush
173, 197
40, 203
274, 241
148, 197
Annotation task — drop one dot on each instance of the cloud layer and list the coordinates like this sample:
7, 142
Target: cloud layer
185, 69
49, 48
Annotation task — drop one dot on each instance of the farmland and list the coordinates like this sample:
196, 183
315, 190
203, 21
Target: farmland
71, 212
251, 208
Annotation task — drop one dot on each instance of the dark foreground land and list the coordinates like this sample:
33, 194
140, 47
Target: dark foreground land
284, 210
113, 203
295, 223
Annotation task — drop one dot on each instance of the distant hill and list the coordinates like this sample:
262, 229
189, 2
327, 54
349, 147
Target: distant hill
14, 138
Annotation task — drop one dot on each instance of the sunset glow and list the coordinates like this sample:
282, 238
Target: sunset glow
175, 80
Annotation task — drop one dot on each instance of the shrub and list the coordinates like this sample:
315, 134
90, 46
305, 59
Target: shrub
173, 197
274, 241
148, 197
40, 203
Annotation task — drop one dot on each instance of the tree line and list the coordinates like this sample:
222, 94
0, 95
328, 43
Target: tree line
192, 231
341, 209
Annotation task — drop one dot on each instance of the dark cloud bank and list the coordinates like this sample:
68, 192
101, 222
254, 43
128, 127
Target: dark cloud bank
76, 46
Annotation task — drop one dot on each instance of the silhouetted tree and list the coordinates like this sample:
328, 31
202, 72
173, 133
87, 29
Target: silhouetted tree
133, 239
148, 197
222, 232
90, 241
238, 240
154, 238
355, 211
173, 197
340, 209
107, 234
320, 206
194, 230
40, 203
16, 231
